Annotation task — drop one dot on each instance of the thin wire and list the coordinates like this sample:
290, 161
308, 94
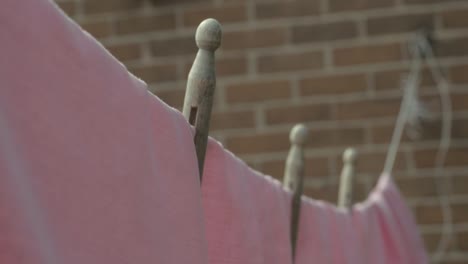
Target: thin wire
410, 90
444, 186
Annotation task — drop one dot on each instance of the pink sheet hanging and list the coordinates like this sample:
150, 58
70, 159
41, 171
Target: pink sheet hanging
246, 213
380, 230
93, 169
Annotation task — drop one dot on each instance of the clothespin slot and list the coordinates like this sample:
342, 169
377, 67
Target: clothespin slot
201, 84
294, 177
345, 193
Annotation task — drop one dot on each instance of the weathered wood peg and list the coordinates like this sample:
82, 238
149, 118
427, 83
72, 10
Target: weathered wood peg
294, 177
345, 194
201, 84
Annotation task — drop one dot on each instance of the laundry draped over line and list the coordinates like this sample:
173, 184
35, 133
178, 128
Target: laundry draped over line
94, 169
246, 213
380, 230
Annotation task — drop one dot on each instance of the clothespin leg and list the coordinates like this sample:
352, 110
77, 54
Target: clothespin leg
294, 177
345, 195
201, 85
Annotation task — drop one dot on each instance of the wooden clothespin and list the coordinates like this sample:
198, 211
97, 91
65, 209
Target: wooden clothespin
345, 194
201, 85
294, 177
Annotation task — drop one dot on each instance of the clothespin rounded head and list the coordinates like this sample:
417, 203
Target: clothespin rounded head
349, 155
299, 134
208, 35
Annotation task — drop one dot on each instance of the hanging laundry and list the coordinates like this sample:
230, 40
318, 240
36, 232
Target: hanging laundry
247, 214
380, 230
93, 169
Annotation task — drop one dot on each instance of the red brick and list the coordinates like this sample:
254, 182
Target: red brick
290, 61
333, 138
389, 80
428, 214
296, 114
459, 101
224, 14
235, 1
99, 29
256, 91
430, 1
315, 167
296, 8
457, 157
460, 128
163, 3
69, 7
102, 6
345, 137
462, 241
426, 158
417, 187
360, 191
125, 52
373, 108
324, 32
393, 79
174, 47
156, 73
145, 23
369, 54
373, 162
225, 66
174, 97
258, 143
260, 38
329, 192
459, 74
427, 130
451, 47
229, 66
455, 18
448, 260
274, 168
358, 5
399, 24
232, 120
460, 213
322, 138
333, 85
459, 183
431, 241
253, 164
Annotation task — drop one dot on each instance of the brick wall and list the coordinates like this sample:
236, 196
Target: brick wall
334, 64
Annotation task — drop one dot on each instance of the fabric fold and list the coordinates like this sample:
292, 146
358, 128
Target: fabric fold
246, 213
93, 169
381, 229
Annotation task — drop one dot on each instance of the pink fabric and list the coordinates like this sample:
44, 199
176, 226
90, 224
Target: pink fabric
246, 213
379, 230
93, 169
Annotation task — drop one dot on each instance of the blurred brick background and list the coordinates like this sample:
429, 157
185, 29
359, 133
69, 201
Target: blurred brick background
333, 64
